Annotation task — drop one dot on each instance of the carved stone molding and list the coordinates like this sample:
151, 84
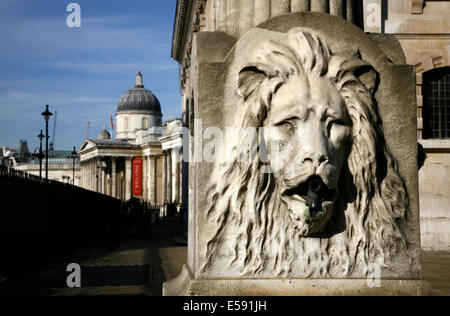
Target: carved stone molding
415, 6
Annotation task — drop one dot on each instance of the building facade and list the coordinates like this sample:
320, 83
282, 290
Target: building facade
142, 161
63, 165
422, 29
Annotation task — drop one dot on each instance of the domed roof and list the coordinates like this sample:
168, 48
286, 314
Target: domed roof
104, 134
139, 100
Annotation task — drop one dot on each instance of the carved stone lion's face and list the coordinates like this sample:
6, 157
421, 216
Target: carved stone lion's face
309, 123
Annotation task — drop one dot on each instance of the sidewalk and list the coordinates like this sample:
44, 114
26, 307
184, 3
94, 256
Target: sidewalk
436, 270
167, 262
145, 264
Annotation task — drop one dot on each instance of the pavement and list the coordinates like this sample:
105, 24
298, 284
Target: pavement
139, 267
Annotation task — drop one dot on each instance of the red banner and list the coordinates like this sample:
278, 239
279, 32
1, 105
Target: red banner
137, 176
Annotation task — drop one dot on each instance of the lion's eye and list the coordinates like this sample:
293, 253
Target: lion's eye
334, 121
285, 124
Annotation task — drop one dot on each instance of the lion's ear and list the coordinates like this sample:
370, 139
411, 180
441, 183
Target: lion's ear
342, 68
250, 78
368, 77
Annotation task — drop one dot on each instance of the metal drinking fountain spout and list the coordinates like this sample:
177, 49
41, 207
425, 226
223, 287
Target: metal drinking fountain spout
314, 196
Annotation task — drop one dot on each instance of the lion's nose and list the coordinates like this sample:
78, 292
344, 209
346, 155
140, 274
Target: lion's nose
315, 158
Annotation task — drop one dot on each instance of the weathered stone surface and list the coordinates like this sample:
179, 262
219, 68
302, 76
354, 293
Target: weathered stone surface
230, 238
185, 284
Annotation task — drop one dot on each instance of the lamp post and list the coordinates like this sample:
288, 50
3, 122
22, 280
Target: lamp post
40, 157
74, 156
47, 114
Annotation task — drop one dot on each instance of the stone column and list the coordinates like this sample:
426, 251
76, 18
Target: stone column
169, 177
155, 179
95, 169
103, 182
84, 174
279, 7
319, 5
94, 178
245, 16
299, 5
337, 8
262, 11
144, 178
152, 180
164, 178
81, 174
221, 16
91, 175
88, 175
127, 182
99, 175
177, 175
233, 17
113, 177
350, 13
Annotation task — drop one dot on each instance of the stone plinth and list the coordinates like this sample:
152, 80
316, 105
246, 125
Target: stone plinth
335, 205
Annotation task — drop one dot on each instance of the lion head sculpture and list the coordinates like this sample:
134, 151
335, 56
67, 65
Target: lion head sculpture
333, 203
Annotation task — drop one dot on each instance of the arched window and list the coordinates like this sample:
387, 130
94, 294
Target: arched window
436, 108
144, 123
126, 123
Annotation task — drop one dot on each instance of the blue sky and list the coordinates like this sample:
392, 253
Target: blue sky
81, 72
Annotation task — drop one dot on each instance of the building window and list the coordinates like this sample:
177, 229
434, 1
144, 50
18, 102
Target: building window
436, 109
144, 123
126, 123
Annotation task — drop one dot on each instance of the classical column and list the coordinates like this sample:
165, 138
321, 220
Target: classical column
152, 180
221, 16
319, 6
177, 175
98, 172
279, 7
81, 174
103, 182
169, 176
262, 11
232, 19
164, 178
245, 16
107, 184
113, 177
337, 8
84, 175
88, 175
127, 181
151, 183
182, 188
350, 13
299, 5
145, 178
92, 175
155, 179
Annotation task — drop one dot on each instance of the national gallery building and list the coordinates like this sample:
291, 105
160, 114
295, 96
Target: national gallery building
144, 159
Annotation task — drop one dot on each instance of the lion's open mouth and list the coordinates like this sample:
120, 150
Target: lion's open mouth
313, 192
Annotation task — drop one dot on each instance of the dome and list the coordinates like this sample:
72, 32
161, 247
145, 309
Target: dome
104, 134
139, 100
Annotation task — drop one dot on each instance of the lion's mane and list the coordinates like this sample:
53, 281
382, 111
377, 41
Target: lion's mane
253, 235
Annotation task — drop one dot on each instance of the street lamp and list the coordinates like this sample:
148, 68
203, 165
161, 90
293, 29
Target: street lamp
47, 114
74, 156
40, 155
